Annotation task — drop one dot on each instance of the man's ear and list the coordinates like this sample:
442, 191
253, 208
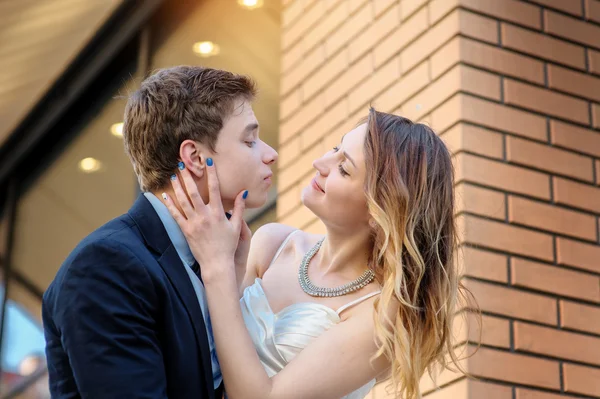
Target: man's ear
194, 155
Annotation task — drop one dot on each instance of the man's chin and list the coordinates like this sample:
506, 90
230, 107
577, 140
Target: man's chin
252, 202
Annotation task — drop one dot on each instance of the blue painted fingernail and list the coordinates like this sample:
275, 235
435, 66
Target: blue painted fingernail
181, 166
164, 195
209, 162
245, 194
173, 177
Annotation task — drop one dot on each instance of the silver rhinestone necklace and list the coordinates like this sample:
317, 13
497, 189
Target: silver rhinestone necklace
367, 277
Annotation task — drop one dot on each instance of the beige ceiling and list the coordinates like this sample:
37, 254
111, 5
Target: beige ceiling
64, 205
38, 40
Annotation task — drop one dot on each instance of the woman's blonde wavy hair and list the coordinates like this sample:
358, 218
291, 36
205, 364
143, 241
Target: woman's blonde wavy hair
410, 196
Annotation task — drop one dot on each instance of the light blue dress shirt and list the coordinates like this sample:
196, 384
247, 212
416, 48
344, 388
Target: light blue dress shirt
185, 253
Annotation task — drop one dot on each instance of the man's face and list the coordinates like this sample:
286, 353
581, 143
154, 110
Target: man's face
242, 160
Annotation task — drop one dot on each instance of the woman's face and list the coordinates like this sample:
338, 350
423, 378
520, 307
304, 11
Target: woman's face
336, 194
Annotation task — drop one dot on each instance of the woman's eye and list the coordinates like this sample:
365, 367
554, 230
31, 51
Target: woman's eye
342, 170
336, 148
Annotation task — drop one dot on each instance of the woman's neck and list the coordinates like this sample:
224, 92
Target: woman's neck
344, 252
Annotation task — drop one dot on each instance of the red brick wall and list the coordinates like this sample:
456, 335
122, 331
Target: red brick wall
513, 87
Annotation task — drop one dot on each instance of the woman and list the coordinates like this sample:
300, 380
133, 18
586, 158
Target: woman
325, 316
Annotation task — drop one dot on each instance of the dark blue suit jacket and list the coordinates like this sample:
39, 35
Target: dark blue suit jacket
121, 317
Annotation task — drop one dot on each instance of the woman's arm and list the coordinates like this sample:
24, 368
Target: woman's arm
333, 365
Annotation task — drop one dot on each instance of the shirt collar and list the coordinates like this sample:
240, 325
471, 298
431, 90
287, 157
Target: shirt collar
173, 231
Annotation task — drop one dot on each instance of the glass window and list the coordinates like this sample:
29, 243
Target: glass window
23, 360
90, 182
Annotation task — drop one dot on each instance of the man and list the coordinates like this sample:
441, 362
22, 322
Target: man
126, 315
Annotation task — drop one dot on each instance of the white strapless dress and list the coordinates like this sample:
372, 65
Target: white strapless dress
278, 338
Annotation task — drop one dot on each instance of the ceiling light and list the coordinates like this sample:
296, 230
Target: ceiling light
206, 49
89, 165
117, 129
250, 4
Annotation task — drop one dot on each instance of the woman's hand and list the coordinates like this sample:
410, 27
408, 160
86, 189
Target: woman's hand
213, 238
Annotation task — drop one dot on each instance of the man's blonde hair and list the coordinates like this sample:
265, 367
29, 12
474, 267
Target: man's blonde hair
173, 105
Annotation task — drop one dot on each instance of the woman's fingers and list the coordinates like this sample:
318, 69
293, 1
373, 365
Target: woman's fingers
182, 198
238, 211
214, 194
179, 218
191, 188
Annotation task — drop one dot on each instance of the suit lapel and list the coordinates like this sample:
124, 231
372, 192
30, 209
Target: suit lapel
157, 239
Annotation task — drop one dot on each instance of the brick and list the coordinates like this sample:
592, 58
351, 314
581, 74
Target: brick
316, 227
522, 393
551, 218
576, 83
594, 61
310, 62
542, 46
596, 115
288, 201
568, 192
509, 10
592, 10
291, 13
515, 368
505, 237
555, 280
494, 331
324, 75
366, 92
290, 104
332, 20
322, 126
297, 170
458, 21
289, 151
346, 33
408, 7
492, 115
575, 138
577, 254
366, 41
381, 6
499, 175
307, 113
480, 201
571, 7
545, 101
484, 264
572, 28
292, 57
556, 343
401, 37
299, 218
464, 137
501, 61
440, 8
461, 77
577, 316
309, 18
403, 89
582, 380
349, 79
547, 158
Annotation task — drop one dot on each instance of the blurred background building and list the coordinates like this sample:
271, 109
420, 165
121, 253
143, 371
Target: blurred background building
513, 87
